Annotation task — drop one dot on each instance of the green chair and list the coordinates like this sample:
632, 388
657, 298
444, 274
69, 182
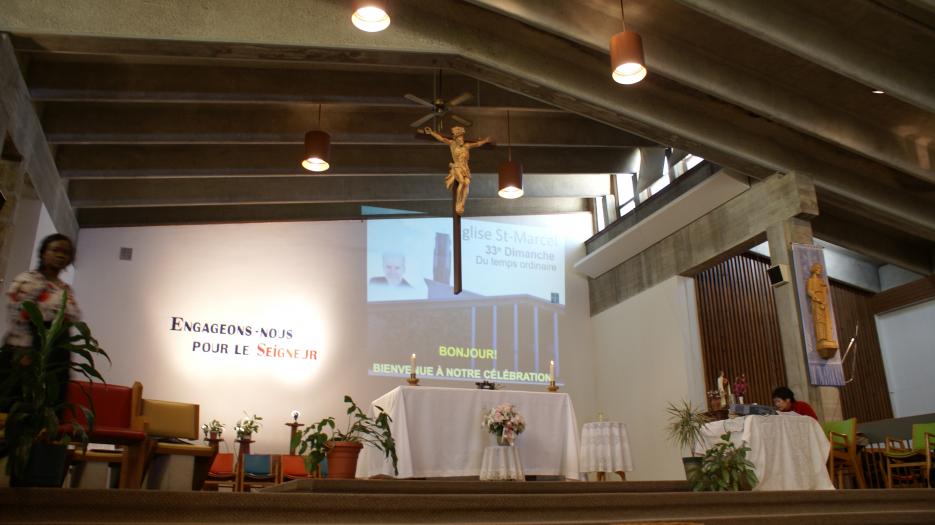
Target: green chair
842, 459
904, 464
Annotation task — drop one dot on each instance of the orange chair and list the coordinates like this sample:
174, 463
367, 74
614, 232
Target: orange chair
222, 473
115, 423
293, 467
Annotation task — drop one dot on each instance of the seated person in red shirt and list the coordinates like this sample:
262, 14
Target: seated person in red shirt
784, 401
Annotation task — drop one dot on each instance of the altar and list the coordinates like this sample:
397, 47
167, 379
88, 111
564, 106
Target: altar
438, 432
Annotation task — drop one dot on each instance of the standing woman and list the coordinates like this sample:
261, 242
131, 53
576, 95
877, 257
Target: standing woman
43, 287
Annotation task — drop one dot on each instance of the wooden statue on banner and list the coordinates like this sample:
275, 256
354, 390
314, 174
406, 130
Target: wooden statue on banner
817, 290
459, 173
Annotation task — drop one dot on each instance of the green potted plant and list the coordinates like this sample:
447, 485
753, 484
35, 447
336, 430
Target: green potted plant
247, 426
32, 390
213, 429
725, 467
684, 429
342, 447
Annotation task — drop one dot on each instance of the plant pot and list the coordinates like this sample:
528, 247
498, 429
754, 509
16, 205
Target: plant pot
691, 465
342, 459
213, 435
45, 468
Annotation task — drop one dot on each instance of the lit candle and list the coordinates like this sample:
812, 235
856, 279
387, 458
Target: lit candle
552, 371
412, 361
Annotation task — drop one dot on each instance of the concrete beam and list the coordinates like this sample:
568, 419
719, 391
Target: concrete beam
699, 65
870, 240
164, 215
904, 68
731, 228
103, 78
104, 193
221, 123
426, 158
26, 134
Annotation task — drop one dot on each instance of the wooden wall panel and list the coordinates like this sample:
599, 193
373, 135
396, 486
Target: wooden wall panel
740, 335
867, 396
739, 327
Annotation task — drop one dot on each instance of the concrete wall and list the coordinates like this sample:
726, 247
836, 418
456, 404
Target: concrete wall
309, 278
647, 354
907, 340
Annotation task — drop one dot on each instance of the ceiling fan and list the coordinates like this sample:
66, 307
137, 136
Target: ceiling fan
439, 108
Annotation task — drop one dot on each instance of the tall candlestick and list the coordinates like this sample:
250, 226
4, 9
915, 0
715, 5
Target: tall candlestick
551, 370
412, 362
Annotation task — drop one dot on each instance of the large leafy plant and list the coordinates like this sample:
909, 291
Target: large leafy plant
34, 385
725, 467
685, 424
315, 442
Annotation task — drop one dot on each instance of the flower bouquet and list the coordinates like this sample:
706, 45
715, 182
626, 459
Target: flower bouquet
505, 422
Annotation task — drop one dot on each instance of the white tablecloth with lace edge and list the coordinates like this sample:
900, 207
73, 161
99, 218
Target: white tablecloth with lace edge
789, 452
439, 432
605, 447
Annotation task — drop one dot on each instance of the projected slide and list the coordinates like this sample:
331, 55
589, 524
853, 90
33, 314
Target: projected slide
411, 259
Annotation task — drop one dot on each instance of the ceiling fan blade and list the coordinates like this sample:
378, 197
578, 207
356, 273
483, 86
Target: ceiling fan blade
462, 120
460, 99
422, 120
418, 100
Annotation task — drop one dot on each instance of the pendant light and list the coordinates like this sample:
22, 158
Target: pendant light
317, 149
370, 16
510, 172
626, 55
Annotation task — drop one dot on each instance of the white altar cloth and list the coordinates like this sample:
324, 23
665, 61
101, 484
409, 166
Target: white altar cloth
789, 452
605, 447
439, 432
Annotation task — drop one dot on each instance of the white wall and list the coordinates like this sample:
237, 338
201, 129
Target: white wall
907, 340
306, 277
647, 354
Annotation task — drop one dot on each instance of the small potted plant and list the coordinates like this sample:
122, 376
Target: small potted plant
505, 423
213, 429
247, 426
725, 467
35, 441
684, 429
342, 447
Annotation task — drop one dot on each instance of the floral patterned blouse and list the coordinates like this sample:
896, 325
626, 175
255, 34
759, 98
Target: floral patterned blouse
33, 286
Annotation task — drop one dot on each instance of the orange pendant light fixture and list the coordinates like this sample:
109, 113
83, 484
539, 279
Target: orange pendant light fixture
510, 172
370, 16
317, 149
626, 55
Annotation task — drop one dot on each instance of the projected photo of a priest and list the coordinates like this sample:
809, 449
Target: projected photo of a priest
394, 267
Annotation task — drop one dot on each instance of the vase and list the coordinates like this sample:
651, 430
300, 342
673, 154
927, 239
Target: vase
342, 459
213, 435
502, 441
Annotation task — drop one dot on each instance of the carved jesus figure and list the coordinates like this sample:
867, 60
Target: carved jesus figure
817, 290
458, 169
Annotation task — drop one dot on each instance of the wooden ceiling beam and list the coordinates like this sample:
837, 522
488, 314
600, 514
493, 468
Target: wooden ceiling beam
154, 123
224, 160
103, 193
166, 215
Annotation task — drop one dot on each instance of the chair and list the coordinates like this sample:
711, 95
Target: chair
221, 473
293, 467
257, 470
917, 460
174, 465
115, 422
842, 458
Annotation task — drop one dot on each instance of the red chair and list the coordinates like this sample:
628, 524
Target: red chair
115, 423
222, 473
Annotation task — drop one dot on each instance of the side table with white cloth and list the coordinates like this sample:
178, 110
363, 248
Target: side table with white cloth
605, 447
501, 463
788, 452
439, 432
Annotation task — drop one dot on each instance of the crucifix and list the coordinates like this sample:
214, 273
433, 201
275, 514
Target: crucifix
458, 181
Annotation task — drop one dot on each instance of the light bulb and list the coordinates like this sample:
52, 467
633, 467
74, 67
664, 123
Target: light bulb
370, 19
